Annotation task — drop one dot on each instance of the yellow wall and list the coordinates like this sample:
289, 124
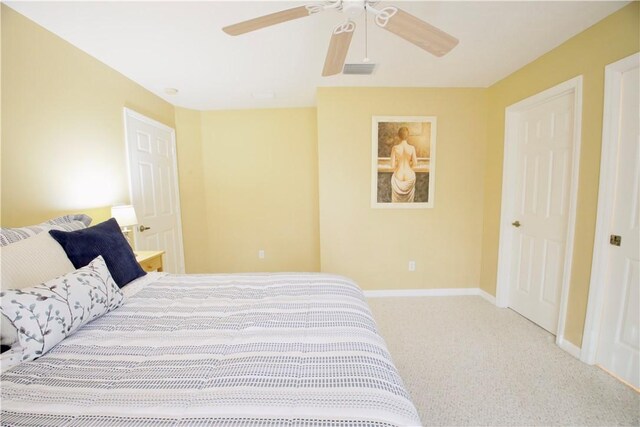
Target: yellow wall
63, 151
62, 126
261, 189
588, 53
195, 234
374, 246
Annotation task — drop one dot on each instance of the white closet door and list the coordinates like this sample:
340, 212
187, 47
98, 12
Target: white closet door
544, 146
619, 338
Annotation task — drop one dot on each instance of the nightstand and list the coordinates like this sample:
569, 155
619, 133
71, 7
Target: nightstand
150, 260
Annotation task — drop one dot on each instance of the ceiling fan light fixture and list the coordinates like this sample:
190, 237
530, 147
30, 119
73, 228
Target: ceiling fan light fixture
353, 8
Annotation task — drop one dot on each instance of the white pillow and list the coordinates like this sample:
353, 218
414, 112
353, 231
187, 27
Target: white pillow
47, 313
29, 262
32, 261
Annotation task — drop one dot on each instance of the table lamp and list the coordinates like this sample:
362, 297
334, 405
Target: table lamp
126, 217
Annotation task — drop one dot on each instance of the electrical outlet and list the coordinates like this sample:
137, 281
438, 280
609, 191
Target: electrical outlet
261, 254
412, 266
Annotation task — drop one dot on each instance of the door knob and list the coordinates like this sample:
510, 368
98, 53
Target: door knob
142, 228
515, 224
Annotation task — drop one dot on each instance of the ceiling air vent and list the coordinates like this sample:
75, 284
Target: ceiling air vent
362, 69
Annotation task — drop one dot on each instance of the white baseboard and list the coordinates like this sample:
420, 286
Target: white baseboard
486, 295
570, 348
441, 292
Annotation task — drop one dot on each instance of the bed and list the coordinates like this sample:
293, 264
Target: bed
218, 350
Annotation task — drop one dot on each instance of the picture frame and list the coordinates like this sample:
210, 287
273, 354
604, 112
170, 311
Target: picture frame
403, 162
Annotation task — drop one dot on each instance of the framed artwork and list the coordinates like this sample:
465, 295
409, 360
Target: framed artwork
403, 162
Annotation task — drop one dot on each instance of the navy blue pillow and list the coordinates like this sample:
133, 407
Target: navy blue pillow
106, 239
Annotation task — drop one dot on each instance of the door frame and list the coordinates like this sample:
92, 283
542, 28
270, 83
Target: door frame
127, 112
509, 192
606, 193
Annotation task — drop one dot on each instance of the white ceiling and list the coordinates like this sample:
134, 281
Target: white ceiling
181, 45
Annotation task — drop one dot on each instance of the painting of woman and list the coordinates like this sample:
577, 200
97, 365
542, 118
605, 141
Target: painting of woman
403, 161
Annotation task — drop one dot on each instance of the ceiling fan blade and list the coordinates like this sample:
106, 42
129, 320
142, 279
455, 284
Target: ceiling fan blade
416, 31
338, 48
267, 20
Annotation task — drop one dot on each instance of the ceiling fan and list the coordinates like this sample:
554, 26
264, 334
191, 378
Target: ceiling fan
391, 18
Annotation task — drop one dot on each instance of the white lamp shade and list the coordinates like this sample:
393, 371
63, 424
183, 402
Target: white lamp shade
125, 215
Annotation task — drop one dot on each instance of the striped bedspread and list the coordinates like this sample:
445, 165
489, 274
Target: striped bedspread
218, 350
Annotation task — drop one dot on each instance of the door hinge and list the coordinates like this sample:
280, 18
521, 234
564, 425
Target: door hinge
615, 240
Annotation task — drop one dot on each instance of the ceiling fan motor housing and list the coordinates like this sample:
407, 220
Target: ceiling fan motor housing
353, 8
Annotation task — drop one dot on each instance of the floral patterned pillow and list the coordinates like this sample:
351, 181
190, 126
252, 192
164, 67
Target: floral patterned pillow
47, 313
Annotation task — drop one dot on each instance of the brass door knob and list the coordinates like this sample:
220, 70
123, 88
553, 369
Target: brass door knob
516, 224
142, 228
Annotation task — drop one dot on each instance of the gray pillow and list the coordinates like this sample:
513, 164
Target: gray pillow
64, 223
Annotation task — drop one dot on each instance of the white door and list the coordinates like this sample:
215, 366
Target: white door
619, 339
545, 141
543, 150
153, 181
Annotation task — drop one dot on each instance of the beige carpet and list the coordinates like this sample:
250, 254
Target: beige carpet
466, 362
